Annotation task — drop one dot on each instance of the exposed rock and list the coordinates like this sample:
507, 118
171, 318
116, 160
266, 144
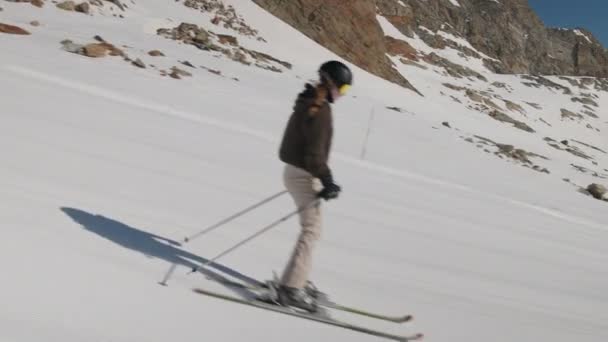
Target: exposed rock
225, 15
227, 39
570, 149
586, 101
213, 71
505, 148
11, 29
539, 81
500, 116
70, 46
474, 96
511, 152
535, 105
396, 47
597, 191
446, 124
139, 63
336, 25
545, 122
590, 146
566, 114
177, 73
263, 57
96, 50
490, 103
454, 87
452, 69
589, 171
512, 106
83, 8
35, 23
67, 5
500, 85
37, 3
590, 113
227, 45
188, 64
118, 4
156, 53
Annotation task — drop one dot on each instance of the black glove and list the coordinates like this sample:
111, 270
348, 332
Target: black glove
330, 190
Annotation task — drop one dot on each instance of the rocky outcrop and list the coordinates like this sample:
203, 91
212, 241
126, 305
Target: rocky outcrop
223, 15
508, 152
93, 50
598, 191
507, 35
509, 31
348, 28
227, 45
11, 29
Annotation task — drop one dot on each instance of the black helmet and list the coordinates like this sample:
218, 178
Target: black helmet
339, 73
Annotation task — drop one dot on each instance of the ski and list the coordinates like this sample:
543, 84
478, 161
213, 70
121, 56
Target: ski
309, 316
326, 303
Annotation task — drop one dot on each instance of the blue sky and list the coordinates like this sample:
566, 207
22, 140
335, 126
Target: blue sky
590, 14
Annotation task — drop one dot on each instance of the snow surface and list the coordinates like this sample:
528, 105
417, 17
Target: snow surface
105, 166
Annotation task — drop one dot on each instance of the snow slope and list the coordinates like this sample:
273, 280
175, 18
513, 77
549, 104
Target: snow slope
106, 166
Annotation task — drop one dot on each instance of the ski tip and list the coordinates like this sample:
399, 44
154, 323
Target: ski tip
404, 319
416, 337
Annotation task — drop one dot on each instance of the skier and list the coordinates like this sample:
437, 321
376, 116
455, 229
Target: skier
305, 150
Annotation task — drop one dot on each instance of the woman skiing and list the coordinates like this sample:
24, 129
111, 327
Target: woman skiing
305, 150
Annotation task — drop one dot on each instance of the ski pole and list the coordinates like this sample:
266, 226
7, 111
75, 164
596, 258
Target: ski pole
228, 219
260, 232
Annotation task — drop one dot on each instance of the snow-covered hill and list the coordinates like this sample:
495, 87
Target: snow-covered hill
107, 165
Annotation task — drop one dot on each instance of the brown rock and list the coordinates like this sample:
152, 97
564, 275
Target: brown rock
336, 25
177, 73
11, 29
83, 8
95, 50
396, 47
597, 191
156, 53
227, 39
509, 31
474, 96
37, 3
67, 5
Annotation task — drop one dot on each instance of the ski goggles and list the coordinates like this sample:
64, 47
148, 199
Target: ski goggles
344, 89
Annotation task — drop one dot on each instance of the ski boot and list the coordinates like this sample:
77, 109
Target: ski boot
297, 298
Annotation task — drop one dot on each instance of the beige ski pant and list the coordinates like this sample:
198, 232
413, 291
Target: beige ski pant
303, 187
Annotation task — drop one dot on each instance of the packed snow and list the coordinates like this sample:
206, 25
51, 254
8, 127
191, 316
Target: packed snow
107, 167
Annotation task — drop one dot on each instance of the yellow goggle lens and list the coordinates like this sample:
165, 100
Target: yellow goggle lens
344, 89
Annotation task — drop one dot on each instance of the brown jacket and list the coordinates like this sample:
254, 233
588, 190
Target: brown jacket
307, 138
